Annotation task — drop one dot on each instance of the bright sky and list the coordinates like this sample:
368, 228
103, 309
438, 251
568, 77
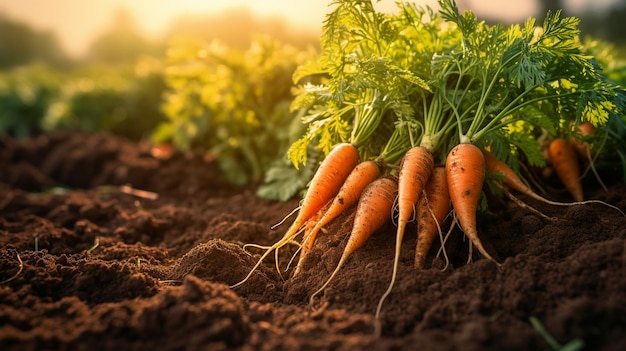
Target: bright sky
77, 22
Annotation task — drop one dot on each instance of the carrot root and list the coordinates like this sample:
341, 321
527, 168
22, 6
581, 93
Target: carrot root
415, 170
443, 239
465, 174
325, 184
372, 212
513, 181
360, 177
521, 203
564, 160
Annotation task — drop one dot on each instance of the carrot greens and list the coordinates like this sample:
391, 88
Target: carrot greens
445, 78
370, 60
518, 72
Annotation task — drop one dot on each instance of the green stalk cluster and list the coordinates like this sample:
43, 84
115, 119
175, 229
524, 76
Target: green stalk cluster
437, 79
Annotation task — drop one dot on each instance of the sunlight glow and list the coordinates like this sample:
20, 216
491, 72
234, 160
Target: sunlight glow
77, 22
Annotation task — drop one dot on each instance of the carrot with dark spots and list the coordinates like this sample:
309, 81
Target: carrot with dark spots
465, 174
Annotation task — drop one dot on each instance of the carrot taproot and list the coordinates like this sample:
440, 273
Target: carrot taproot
360, 177
564, 160
465, 174
325, 184
432, 210
513, 181
372, 212
415, 170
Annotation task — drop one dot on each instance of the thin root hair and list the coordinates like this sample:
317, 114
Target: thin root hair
444, 239
19, 271
285, 218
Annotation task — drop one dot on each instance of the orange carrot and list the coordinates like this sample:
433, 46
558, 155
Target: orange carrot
584, 150
327, 181
564, 160
432, 210
360, 177
585, 129
415, 170
372, 212
513, 181
465, 174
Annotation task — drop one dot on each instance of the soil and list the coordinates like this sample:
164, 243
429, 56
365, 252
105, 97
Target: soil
88, 264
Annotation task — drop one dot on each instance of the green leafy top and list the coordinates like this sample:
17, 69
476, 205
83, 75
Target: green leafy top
418, 77
377, 66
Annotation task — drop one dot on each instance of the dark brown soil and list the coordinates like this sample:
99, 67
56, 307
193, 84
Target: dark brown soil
159, 275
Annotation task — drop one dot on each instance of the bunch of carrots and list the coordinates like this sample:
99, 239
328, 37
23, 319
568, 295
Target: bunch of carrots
417, 134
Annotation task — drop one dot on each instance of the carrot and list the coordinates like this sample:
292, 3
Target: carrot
513, 181
465, 174
327, 181
585, 129
415, 170
584, 150
432, 210
360, 177
564, 160
372, 212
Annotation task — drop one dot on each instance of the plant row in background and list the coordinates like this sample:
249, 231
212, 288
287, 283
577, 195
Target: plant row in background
232, 103
424, 114
123, 100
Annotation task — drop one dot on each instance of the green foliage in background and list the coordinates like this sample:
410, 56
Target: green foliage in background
25, 95
21, 44
124, 100
610, 139
232, 103
236, 100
